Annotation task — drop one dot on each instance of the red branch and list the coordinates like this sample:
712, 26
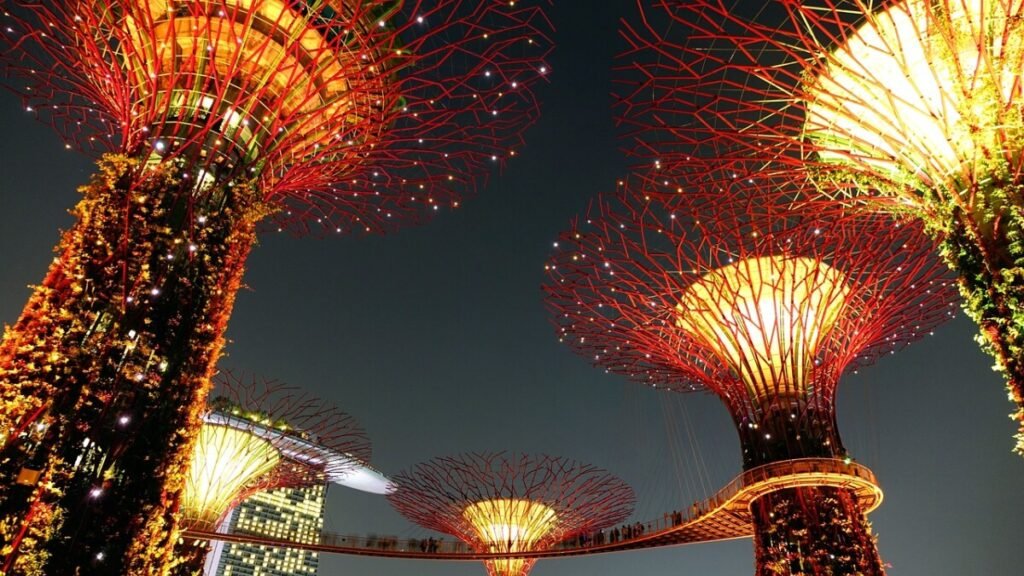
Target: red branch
619, 274
363, 116
704, 78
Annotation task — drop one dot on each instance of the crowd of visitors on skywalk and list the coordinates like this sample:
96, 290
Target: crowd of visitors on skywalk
624, 532
601, 537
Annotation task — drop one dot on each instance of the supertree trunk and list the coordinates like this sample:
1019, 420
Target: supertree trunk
983, 243
105, 375
813, 531
805, 530
986, 250
784, 432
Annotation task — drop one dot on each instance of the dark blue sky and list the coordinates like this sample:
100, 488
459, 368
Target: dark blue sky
436, 339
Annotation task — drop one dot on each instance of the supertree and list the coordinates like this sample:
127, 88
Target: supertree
508, 502
916, 102
260, 435
215, 116
726, 289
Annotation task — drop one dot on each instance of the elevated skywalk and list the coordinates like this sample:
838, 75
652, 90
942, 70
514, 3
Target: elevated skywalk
725, 516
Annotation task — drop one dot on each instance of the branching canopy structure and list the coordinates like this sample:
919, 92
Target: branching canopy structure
732, 292
915, 102
510, 503
725, 288
214, 116
349, 115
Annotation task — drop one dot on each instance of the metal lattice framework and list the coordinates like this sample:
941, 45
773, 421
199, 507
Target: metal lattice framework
260, 435
352, 115
502, 502
731, 291
917, 103
726, 288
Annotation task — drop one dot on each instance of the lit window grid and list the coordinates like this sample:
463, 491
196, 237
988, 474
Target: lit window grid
295, 514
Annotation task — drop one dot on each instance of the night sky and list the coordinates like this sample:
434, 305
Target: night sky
436, 339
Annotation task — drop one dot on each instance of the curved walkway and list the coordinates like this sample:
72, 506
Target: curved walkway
725, 516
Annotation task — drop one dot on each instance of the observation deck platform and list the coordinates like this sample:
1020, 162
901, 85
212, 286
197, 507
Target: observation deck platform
340, 468
725, 516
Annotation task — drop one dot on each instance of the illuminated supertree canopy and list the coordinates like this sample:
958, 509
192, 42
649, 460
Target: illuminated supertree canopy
725, 288
915, 102
214, 117
505, 502
348, 116
261, 435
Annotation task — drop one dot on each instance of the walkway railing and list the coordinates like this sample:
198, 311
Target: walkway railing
724, 516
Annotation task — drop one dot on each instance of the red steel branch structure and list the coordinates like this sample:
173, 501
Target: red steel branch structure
729, 291
260, 435
916, 102
213, 117
505, 502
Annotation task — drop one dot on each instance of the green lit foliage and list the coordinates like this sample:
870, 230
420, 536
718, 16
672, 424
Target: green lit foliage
988, 254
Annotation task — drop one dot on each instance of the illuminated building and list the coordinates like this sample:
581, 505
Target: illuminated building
295, 514
910, 107
262, 462
214, 117
731, 292
260, 437
510, 502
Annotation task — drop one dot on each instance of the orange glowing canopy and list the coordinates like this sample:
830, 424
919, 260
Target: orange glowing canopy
507, 503
730, 290
510, 525
348, 115
765, 317
259, 435
250, 62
